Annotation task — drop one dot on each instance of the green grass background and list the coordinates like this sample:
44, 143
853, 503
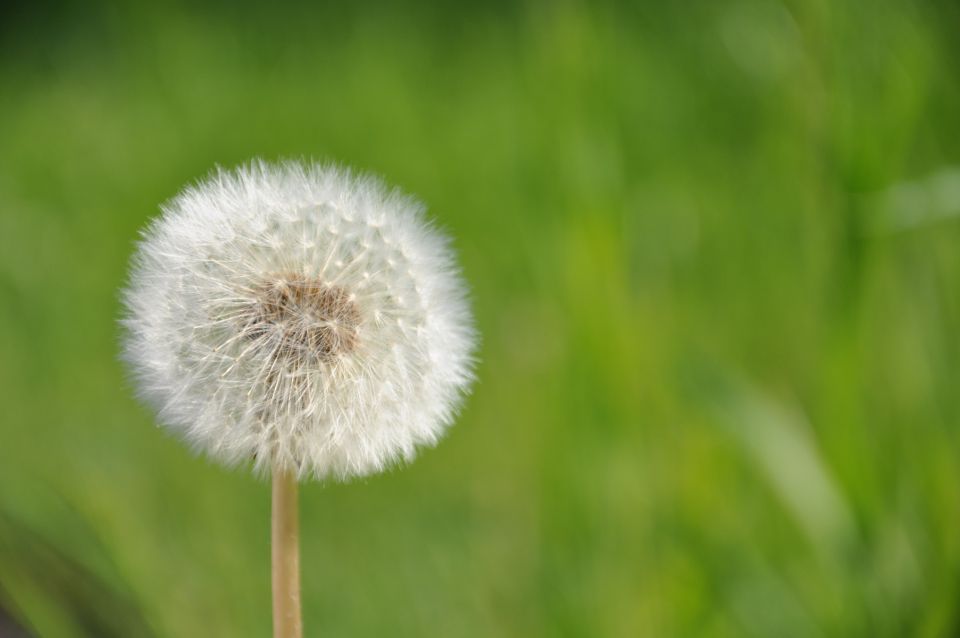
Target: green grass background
714, 255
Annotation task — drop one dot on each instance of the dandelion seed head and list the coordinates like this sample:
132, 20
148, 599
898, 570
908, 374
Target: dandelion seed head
299, 316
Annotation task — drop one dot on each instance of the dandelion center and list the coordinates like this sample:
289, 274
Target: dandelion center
303, 317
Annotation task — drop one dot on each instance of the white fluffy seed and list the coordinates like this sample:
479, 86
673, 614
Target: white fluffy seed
266, 321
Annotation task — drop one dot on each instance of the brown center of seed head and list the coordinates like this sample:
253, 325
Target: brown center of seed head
307, 315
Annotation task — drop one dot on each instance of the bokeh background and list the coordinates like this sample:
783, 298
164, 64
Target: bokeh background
714, 252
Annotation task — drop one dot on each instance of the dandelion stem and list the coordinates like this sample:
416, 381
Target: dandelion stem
285, 529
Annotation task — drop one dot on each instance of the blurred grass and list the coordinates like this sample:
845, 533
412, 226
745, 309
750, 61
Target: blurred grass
713, 252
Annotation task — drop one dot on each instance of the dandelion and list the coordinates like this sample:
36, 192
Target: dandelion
304, 320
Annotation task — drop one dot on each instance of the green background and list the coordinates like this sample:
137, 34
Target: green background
714, 255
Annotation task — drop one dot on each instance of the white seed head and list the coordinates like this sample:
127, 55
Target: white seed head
301, 317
